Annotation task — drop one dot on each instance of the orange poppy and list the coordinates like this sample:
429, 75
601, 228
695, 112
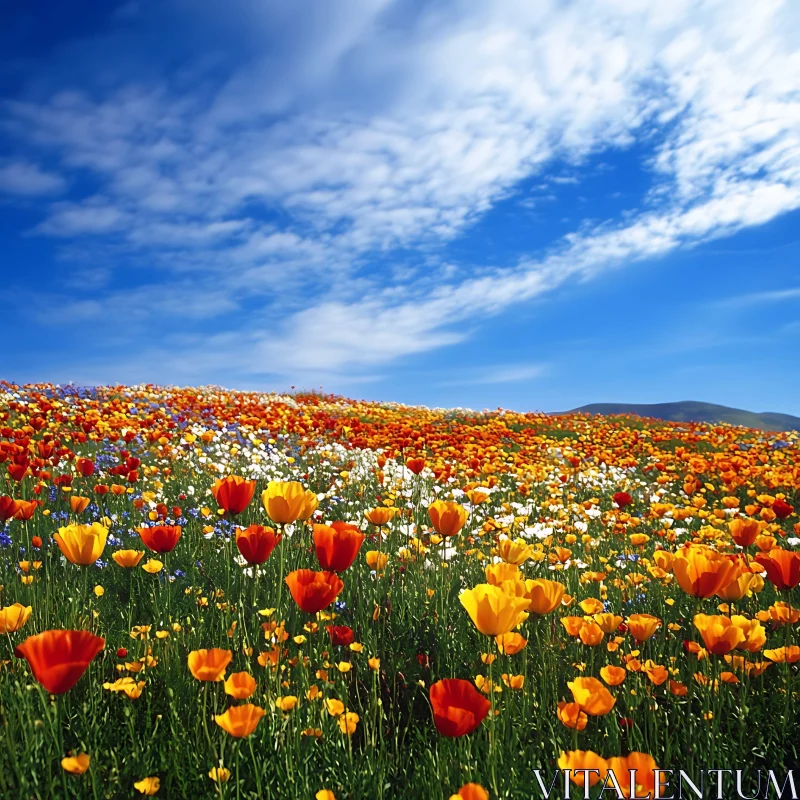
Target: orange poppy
161, 538
458, 708
313, 591
256, 543
233, 494
337, 545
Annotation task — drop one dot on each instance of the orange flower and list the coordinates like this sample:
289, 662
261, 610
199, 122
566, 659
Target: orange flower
128, 558
510, 643
637, 770
82, 544
161, 538
580, 762
8, 507
233, 494
570, 714
240, 685
256, 543
447, 518
381, 516
313, 591
59, 658
209, 665
591, 696
25, 509
719, 633
643, 626
612, 675
744, 531
471, 791
337, 545
544, 596
240, 721
701, 571
78, 504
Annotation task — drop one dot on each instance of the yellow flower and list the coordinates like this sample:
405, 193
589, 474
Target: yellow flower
374, 663
447, 518
219, 774
325, 794
376, 561
286, 703
153, 566
148, 785
344, 666
99, 591
76, 765
12, 618
82, 544
348, 722
492, 610
516, 552
288, 501
335, 707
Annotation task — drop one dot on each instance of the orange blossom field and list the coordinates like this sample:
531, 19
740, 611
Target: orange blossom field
207, 593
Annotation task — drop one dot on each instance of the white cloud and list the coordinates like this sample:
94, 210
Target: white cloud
28, 180
393, 130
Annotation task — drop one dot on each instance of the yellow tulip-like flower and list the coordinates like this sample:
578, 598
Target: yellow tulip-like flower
447, 518
755, 637
514, 552
544, 596
286, 703
153, 566
492, 610
12, 618
348, 722
219, 774
287, 501
82, 544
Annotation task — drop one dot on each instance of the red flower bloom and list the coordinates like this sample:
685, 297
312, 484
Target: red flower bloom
58, 659
85, 466
782, 509
313, 591
458, 708
8, 507
416, 465
233, 493
337, 546
256, 543
782, 566
161, 538
340, 634
622, 499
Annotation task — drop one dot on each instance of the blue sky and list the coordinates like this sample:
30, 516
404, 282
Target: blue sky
529, 205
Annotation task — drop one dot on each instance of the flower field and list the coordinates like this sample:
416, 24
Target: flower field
207, 593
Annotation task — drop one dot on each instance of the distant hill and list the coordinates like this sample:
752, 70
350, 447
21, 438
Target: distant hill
694, 411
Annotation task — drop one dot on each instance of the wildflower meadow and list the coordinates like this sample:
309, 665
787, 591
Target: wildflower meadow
208, 593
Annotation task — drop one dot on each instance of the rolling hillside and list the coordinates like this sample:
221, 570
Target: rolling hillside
695, 411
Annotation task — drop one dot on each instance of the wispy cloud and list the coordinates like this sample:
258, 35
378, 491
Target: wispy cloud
761, 298
386, 134
24, 179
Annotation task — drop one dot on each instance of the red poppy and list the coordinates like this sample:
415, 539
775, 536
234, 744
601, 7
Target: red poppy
256, 543
161, 538
458, 708
782, 566
622, 499
313, 591
782, 509
85, 466
58, 659
340, 634
25, 509
233, 493
8, 507
337, 545
416, 465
